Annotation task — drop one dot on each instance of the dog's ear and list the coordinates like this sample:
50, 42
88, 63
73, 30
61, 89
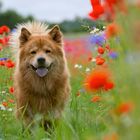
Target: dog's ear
24, 36
56, 34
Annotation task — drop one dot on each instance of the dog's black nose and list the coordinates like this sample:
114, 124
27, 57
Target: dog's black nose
41, 61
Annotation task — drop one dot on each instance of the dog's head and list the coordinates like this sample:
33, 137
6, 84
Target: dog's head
41, 52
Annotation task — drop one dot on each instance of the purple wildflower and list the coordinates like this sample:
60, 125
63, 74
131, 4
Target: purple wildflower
97, 39
3, 59
113, 55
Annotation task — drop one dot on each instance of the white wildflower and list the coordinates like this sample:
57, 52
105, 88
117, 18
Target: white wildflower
87, 69
80, 66
93, 60
2, 107
76, 66
3, 92
10, 109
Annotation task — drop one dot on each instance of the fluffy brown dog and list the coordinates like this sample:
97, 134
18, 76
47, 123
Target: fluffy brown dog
41, 78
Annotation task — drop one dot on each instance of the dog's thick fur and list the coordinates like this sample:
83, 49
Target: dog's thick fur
34, 94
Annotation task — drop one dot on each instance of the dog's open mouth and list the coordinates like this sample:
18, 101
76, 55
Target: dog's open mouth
41, 71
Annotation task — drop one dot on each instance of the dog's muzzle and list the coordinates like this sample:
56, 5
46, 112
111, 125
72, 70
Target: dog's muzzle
42, 71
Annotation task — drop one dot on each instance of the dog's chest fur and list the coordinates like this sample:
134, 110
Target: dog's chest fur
44, 96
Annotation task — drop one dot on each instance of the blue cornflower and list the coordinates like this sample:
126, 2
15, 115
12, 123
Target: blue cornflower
81, 90
3, 59
97, 39
113, 55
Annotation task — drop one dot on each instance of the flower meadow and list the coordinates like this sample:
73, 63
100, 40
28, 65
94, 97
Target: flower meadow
105, 69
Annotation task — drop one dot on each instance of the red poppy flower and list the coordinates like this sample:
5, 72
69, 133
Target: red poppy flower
100, 61
5, 29
97, 9
0, 48
97, 12
6, 40
101, 50
108, 86
112, 30
110, 2
96, 99
124, 108
11, 90
78, 94
107, 8
113, 136
120, 4
11, 100
2, 41
2, 63
5, 104
108, 47
89, 59
1, 31
9, 64
98, 79
95, 2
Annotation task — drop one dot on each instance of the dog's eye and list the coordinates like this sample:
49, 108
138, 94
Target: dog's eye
47, 51
33, 52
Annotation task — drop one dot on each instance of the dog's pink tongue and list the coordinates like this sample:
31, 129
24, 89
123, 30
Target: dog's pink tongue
42, 72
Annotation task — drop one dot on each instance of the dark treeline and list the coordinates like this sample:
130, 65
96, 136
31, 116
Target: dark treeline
11, 18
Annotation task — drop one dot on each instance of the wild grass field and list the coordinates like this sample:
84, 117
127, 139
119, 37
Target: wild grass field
111, 114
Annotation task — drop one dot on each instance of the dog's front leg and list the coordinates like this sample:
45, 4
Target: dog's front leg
23, 111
